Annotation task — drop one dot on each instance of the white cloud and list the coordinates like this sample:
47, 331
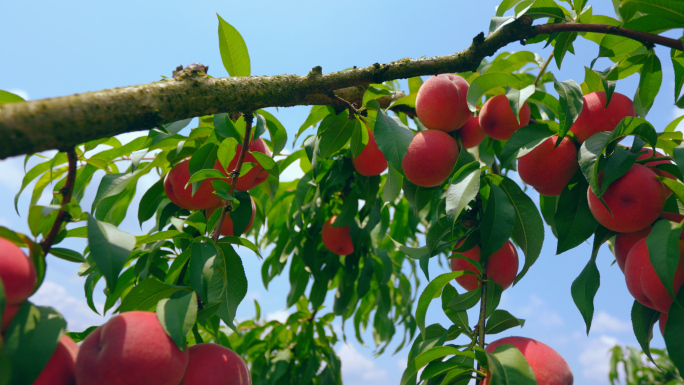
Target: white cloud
402, 364
604, 322
356, 367
21, 93
595, 359
537, 310
76, 311
280, 316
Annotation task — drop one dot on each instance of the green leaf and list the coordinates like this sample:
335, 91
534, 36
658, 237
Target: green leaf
466, 301
573, 220
150, 201
569, 104
277, 131
374, 92
226, 152
225, 128
463, 189
31, 340
501, 320
201, 268
359, 139
650, 81
523, 141
392, 138
663, 251
584, 289
336, 135
109, 249
528, 228
667, 9
545, 8
431, 291
428, 356
678, 65
35, 172
617, 47
8, 97
517, 98
316, 115
146, 295
497, 223
643, 319
392, 186
234, 284
563, 43
177, 315
205, 174
266, 162
67, 255
674, 333
233, 50
488, 81
508, 366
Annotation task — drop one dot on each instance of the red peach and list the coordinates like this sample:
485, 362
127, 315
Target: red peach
174, 186
548, 366
17, 273
370, 161
212, 364
441, 102
60, 368
633, 209
130, 349
256, 175
502, 266
227, 228
337, 239
430, 158
497, 119
595, 118
471, 133
624, 243
549, 169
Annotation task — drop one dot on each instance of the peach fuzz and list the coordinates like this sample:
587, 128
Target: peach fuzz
174, 186
502, 266
130, 349
227, 228
471, 133
636, 199
549, 169
256, 175
441, 102
212, 364
60, 368
371, 160
643, 282
336, 239
497, 119
549, 367
430, 158
595, 118
17, 273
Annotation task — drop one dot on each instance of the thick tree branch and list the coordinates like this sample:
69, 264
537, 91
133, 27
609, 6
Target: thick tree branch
66, 191
64, 122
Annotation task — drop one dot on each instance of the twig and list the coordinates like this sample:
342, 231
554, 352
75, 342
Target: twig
483, 309
542, 69
66, 191
227, 204
642, 37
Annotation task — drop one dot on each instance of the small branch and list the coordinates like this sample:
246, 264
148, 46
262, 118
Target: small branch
227, 204
643, 37
66, 191
350, 106
542, 69
483, 309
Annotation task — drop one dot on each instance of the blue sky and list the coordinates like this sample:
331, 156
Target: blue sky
52, 49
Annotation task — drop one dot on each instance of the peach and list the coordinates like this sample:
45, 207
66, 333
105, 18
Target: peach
370, 161
17, 273
549, 169
497, 119
471, 133
636, 199
502, 266
595, 118
227, 228
337, 239
441, 102
662, 320
174, 186
8, 316
256, 175
430, 158
130, 349
212, 364
648, 154
548, 366
643, 282
60, 368
624, 243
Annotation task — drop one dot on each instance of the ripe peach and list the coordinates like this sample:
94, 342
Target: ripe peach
60, 368
471, 133
17, 273
548, 366
497, 119
643, 282
174, 186
430, 158
130, 349
549, 169
337, 239
624, 243
635, 199
227, 228
370, 161
441, 102
594, 118
256, 175
502, 266
8, 316
212, 364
